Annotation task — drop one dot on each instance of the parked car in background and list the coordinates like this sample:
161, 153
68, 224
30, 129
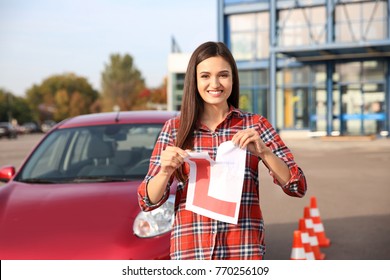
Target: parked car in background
8, 130
31, 127
47, 125
75, 196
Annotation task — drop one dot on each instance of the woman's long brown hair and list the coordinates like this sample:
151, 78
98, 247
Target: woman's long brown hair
192, 103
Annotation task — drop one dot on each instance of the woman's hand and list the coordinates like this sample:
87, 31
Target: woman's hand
171, 159
250, 139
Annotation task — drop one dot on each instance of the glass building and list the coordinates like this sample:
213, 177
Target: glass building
321, 66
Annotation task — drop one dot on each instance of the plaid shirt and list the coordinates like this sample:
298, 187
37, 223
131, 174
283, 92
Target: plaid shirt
198, 237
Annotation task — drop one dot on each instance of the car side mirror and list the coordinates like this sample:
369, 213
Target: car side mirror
6, 173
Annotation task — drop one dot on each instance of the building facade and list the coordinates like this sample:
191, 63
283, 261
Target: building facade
317, 66
177, 67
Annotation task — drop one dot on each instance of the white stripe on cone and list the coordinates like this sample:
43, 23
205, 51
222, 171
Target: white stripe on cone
314, 212
318, 227
298, 254
309, 223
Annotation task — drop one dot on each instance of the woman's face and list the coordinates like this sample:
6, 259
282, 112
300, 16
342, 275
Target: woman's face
214, 80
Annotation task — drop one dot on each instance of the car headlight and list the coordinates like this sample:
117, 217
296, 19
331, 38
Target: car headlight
155, 222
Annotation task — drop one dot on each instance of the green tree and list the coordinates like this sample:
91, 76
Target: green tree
14, 108
122, 83
63, 107
5, 108
61, 96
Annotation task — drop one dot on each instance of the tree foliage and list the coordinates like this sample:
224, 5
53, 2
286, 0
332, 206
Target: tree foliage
155, 98
159, 95
61, 96
14, 108
121, 83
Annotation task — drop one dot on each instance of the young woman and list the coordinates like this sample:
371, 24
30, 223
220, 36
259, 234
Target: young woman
210, 116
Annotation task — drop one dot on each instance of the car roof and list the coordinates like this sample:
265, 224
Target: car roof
118, 118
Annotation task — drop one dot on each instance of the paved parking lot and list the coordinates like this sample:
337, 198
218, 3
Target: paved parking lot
350, 179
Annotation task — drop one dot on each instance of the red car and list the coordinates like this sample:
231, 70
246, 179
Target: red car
75, 196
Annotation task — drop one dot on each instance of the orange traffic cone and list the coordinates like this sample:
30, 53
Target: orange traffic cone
307, 217
298, 251
315, 246
312, 239
319, 230
309, 254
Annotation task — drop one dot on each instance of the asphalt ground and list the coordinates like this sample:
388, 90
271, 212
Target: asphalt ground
350, 180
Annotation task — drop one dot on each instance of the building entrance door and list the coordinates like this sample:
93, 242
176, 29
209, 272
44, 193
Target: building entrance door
361, 108
296, 108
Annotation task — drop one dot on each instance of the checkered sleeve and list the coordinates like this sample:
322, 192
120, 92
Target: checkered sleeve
296, 186
165, 139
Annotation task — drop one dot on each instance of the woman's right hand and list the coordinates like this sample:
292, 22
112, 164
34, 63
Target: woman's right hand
171, 159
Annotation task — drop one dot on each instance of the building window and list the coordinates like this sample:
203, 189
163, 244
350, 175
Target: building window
262, 101
180, 81
362, 21
301, 26
289, 3
360, 97
361, 71
235, 2
249, 36
301, 101
296, 113
318, 99
261, 90
246, 90
254, 91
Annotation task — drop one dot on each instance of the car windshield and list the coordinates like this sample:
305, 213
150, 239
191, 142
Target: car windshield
118, 152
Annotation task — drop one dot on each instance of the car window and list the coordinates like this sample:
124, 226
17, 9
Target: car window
78, 147
47, 157
93, 153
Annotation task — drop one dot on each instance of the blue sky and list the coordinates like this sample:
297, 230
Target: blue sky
40, 38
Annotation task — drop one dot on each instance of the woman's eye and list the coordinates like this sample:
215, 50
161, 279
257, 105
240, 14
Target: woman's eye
224, 75
204, 76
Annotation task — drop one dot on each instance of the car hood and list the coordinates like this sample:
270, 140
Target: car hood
81, 221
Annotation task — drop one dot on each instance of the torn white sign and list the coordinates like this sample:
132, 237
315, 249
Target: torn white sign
215, 187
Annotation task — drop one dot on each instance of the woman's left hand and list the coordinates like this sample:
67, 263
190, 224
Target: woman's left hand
250, 139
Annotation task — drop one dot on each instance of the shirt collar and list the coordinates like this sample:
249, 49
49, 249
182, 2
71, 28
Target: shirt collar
233, 111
